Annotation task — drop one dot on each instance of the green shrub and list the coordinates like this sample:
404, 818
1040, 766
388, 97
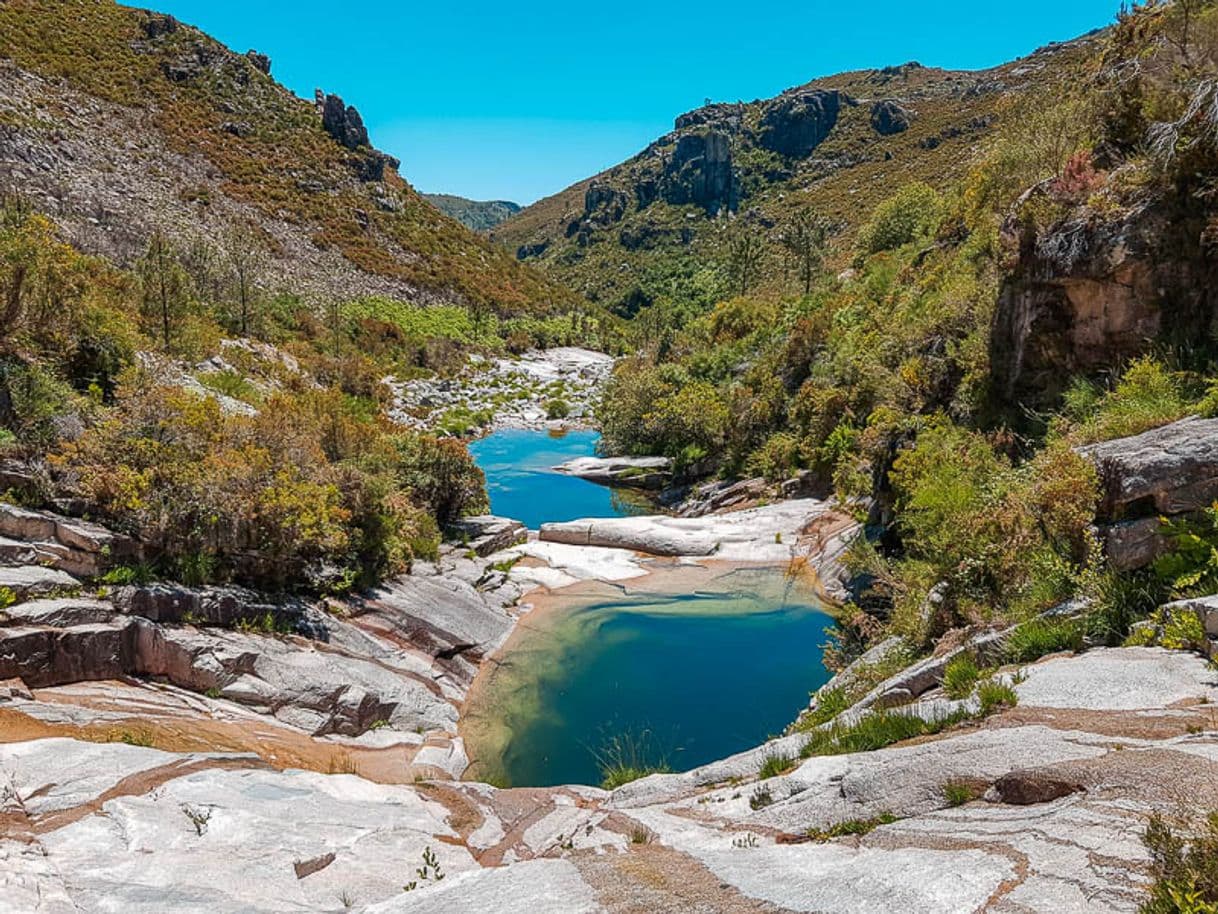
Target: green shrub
7, 598
558, 409
1038, 637
1147, 396
1184, 631
1183, 865
912, 212
961, 676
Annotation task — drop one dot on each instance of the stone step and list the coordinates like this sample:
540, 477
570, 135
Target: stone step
58, 613
25, 582
74, 545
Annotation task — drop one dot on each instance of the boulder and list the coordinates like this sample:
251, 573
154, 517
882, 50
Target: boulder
43, 656
60, 613
486, 534
1168, 470
1093, 290
888, 117
1029, 786
260, 61
226, 606
627, 472
796, 123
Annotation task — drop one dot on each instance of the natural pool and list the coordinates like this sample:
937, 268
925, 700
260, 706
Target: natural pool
682, 677
522, 485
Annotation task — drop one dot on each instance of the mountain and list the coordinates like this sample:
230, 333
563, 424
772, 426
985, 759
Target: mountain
117, 121
479, 215
836, 146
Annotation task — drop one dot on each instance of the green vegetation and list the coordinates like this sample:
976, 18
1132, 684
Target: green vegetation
995, 695
775, 764
1040, 637
627, 758
850, 827
1184, 866
875, 731
957, 793
960, 677
327, 490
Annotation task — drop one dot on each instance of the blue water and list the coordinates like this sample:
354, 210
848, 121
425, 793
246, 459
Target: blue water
681, 680
521, 484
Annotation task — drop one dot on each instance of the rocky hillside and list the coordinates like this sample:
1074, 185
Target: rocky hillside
118, 122
480, 215
836, 146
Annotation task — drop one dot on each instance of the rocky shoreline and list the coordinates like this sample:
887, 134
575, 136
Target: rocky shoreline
154, 738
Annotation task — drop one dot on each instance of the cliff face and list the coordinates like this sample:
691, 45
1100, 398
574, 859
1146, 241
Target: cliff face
117, 122
1093, 289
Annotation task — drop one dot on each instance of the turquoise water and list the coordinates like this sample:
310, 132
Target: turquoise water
521, 484
680, 679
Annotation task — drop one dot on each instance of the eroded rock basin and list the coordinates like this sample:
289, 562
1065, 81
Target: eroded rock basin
686, 665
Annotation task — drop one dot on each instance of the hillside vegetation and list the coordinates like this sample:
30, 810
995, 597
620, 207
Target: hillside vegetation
870, 370
118, 122
655, 230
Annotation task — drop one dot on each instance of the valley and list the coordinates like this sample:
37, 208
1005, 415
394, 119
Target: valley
815, 512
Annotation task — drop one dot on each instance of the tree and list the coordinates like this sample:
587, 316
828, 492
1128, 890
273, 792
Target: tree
165, 285
247, 262
745, 252
806, 237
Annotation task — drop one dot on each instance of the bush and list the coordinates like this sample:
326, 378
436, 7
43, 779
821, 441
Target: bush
558, 409
1183, 865
912, 212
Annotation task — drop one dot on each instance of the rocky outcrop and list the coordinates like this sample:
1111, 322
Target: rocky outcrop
65, 543
1065, 783
1164, 472
889, 117
699, 171
1091, 291
342, 121
486, 534
626, 472
796, 123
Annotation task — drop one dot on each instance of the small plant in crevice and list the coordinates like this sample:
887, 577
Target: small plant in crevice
7, 598
1040, 637
430, 871
850, 827
995, 695
627, 757
774, 764
640, 835
761, 798
957, 793
747, 841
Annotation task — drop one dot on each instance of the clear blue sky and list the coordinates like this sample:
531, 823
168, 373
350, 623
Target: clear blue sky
517, 100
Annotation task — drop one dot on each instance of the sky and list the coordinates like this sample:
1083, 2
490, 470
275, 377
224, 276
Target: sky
516, 101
